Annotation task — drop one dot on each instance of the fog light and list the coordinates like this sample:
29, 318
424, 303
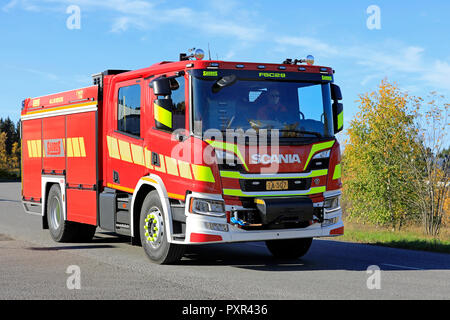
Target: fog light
216, 226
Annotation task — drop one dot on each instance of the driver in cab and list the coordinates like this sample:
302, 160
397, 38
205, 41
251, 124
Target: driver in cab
273, 109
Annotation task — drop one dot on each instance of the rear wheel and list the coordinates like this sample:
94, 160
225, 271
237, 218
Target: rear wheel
154, 237
60, 229
289, 248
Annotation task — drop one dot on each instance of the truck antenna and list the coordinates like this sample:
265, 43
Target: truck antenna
209, 53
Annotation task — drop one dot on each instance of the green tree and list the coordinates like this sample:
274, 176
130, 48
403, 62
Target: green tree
382, 143
9, 128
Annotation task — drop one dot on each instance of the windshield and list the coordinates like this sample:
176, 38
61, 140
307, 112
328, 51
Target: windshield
296, 109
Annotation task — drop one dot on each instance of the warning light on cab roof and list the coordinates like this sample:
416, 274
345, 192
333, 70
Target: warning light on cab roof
309, 60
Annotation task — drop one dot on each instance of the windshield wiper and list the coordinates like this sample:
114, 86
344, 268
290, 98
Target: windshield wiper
301, 131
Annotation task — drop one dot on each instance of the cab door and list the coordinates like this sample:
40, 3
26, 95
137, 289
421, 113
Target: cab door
124, 138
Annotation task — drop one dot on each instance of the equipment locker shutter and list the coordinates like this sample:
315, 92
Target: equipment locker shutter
81, 177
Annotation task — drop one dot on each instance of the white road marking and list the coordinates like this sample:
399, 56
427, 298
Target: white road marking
398, 266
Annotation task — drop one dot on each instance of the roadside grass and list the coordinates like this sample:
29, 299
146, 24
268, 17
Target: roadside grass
410, 237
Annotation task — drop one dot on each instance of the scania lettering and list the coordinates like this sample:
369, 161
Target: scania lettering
132, 154
280, 158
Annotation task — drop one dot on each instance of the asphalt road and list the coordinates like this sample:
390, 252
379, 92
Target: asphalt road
32, 266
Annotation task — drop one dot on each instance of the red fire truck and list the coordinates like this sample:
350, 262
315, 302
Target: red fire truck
189, 152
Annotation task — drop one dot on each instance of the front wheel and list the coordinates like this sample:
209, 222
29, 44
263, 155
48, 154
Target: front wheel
289, 248
154, 237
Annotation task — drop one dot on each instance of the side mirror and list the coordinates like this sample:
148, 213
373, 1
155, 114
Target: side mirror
336, 92
161, 87
338, 116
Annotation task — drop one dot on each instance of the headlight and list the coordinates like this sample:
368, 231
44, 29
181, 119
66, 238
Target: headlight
322, 155
207, 207
225, 157
331, 204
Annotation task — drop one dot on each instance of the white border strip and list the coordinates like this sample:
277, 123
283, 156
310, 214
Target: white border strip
55, 113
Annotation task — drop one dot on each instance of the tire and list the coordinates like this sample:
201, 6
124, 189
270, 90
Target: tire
60, 229
289, 248
153, 235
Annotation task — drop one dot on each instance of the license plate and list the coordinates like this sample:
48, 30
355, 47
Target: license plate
277, 185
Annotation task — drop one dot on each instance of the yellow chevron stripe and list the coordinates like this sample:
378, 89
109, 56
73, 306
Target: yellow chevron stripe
76, 147
172, 167
82, 147
162, 166
185, 169
69, 148
138, 154
113, 147
30, 153
148, 158
125, 153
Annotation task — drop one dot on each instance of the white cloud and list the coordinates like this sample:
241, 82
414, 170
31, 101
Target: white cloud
226, 21
308, 43
10, 5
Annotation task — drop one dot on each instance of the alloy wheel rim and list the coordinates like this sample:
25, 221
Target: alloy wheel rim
154, 227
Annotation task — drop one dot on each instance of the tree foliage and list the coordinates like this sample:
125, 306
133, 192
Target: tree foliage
9, 146
433, 179
382, 144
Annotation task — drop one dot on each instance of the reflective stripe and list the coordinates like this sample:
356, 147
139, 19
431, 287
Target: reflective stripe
240, 193
69, 147
30, 153
38, 148
238, 175
318, 147
148, 158
149, 180
229, 147
82, 147
138, 154
125, 152
162, 167
59, 111
162, 115
171, 165
203, 173
113, 147
176, 196
115, 186
337, 172
340, 120
185, 169
76, 147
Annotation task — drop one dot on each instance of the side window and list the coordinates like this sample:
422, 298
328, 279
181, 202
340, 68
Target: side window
310, 102
179, 105
129, 110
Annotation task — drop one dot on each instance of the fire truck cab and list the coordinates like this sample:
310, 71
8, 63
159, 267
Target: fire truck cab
189, 152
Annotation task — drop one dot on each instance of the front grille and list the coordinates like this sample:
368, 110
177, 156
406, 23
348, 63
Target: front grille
260, 184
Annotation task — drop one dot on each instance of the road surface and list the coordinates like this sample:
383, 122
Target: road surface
33, 266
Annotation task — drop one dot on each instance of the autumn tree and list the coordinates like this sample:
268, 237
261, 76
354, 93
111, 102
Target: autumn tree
433, 178
3, 154
382, 143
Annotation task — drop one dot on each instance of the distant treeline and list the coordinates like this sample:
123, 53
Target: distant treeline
9, 148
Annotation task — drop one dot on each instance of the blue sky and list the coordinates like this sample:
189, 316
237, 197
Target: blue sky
40, 55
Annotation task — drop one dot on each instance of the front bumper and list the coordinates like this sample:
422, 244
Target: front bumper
206, 229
